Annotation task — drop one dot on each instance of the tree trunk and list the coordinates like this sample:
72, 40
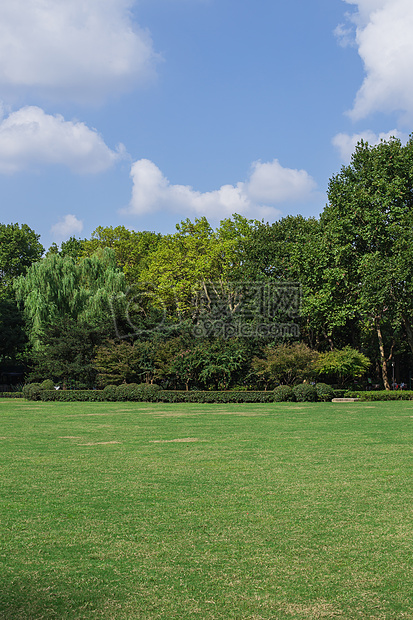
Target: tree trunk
382, 355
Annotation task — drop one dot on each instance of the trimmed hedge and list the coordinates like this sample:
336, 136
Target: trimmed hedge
11, 395
373, 395
172, 396
72, 395
153, 394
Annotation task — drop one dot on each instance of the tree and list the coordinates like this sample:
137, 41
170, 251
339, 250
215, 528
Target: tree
19, 248
183, 262
286, 364
342, 365
66, 353
125, 362
365, 227
132, 249
12, 333
57, 287
72, 247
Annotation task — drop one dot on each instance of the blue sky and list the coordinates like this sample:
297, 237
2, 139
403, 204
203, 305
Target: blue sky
146, 112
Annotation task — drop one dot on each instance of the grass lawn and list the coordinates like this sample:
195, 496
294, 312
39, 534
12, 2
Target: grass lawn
248, 512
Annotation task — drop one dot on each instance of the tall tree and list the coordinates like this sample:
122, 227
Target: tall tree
132, 249
370, 206
57, 287
19, 248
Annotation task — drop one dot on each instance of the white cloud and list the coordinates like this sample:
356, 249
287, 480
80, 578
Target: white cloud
346, 143
385, 44
29, 137
68, 226
81, 50
269, 184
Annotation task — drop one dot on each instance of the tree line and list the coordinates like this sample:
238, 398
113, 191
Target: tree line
222, 308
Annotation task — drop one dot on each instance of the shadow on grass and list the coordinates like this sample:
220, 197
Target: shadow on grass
32, 599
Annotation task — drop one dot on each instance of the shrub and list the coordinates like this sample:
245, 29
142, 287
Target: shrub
286, 363
283, 393
304, 392
150, 391
325, 392
373, 395
47, 384
129, 392
32, 391
72, 395
110, 392
11, 395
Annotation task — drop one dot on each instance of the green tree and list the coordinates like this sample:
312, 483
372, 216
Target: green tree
196, 254
286, 364
342, 365
12, 332
370, 205
72, 247
19, 248
125, 362
132, 249
88, 291
66, 354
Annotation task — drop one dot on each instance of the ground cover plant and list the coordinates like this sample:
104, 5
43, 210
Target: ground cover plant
237, 511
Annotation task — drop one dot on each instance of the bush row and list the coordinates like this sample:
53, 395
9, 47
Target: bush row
11, 395
153, 393
381, 395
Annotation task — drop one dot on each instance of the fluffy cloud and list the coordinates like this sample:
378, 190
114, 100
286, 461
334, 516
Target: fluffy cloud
76, 49
346, 143
268, 184
385, 44
29, 137
68, 226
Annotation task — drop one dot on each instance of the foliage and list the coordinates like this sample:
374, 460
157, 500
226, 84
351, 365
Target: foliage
325, 393
286, 364
283, 394
72, 396
304, 392
377, 395
72, 247
141, 392
12, 332
57, 287
344, 364
367, 231
132, 249
152, 393
19, 249
32, 391
124, 362
110, 392
66, 353
195, 254
47, 384
11, 394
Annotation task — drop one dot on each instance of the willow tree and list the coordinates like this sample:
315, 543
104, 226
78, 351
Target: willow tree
56, 287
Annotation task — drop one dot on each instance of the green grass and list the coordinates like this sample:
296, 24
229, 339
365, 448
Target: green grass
282, 511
